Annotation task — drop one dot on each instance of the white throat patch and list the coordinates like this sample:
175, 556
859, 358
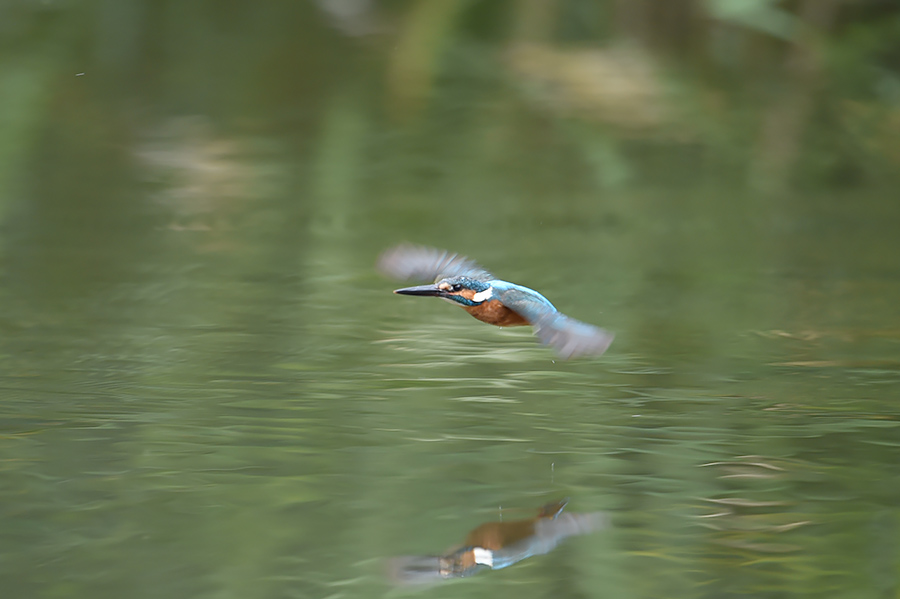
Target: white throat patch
483, 295
485, 557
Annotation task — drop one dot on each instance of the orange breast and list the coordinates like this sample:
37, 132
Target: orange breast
493, 312
497, 535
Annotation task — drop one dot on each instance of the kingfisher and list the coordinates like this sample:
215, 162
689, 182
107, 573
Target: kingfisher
461, 281
497, 545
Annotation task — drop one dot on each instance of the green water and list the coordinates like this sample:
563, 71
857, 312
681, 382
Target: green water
208, 391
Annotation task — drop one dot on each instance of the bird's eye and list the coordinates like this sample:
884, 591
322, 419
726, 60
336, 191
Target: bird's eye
457, 287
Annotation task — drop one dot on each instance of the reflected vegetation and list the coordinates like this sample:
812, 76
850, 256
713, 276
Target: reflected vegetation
497, 545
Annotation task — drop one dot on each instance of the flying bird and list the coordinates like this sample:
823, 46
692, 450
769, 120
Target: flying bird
461, 281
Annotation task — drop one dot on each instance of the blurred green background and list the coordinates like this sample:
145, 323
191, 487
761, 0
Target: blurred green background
207, 391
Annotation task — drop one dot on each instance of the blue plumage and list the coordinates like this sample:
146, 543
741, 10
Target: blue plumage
460, 280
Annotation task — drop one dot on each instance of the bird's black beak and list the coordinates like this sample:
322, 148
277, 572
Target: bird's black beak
427, 290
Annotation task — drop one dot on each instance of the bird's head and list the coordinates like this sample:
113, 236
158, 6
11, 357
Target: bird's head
460, 290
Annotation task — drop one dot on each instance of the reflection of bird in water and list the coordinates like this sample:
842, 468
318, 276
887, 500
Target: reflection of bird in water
459, 280
497, 545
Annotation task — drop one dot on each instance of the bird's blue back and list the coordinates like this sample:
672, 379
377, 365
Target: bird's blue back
520, 298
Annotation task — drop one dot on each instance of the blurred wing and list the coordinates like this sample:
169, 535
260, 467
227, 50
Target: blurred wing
553, 509
550, 533
569, 337
406, 262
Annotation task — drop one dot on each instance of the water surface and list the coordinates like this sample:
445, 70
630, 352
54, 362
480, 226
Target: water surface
208, 391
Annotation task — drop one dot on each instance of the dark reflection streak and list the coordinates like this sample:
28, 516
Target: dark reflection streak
497, 545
